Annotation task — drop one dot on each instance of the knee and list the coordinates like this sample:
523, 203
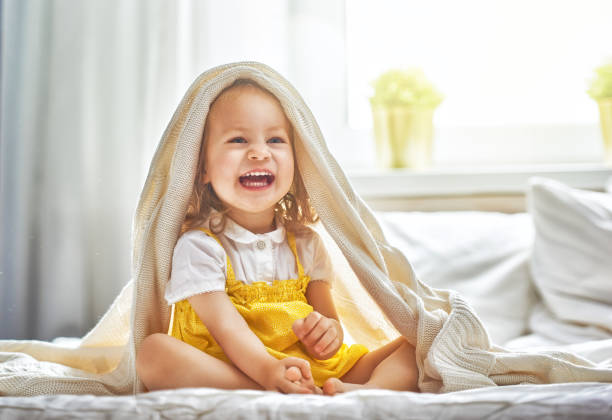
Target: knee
407, 343
402, 343
147, 356
412, 375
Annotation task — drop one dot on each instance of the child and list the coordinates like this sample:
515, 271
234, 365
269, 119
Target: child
250, 280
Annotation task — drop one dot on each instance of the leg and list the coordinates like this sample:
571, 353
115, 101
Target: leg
392, 366
163, 362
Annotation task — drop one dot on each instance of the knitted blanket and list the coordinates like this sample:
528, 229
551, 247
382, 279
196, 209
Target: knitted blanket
376, 292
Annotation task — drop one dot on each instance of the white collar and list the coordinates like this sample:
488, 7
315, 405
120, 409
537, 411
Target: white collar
242, 235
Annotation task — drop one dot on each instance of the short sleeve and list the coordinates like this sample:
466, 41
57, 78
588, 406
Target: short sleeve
314, 257
198, 266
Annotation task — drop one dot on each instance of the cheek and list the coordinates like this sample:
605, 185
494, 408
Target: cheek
292, 172
222, 166
288, 159
289, 165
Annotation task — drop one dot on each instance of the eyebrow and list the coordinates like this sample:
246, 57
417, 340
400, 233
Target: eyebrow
242, 129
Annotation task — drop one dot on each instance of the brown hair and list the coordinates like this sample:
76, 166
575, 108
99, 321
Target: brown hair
294, 209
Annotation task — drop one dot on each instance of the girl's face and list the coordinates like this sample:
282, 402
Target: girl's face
249, 156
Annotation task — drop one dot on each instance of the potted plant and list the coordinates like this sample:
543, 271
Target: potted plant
402, 108
601, 91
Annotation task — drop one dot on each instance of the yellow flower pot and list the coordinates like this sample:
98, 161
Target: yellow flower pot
404, 136
605, 118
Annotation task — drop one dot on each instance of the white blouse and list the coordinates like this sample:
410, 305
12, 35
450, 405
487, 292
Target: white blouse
199, 262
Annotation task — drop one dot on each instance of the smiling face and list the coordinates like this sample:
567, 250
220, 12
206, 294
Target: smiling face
249, 156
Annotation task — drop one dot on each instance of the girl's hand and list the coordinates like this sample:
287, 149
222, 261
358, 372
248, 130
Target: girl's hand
320, 335
294, 374
291, 375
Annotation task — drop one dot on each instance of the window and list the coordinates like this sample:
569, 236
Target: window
514, 74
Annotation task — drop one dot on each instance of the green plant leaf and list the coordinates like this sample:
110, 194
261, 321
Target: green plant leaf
397, 87
601, 85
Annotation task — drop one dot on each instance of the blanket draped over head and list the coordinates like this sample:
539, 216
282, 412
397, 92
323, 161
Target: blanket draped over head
376, 291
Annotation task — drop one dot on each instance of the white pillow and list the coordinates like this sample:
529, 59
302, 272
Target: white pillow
571, 263
482, 255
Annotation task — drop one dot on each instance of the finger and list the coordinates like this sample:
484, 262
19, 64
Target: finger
305, 369
312, 387
301, 364
317, 332
311, 320
298, 388
326, 339
298, 328
303, 390
292, 388
308, 332
335, 344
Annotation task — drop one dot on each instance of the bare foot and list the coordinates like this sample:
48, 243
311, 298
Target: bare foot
294, 374
335, 386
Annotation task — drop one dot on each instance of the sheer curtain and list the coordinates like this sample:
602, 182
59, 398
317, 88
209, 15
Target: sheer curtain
86, 91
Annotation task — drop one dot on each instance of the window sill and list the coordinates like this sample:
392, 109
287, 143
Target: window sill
501, 180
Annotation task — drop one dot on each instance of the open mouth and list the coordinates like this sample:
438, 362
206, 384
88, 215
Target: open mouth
256, 179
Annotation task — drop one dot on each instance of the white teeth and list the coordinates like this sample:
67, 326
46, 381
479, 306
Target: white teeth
257, 174
264, 178
255, 184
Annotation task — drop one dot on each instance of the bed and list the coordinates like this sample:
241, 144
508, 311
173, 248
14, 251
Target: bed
538, 279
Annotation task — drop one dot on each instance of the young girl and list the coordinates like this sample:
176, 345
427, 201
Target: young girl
250, 281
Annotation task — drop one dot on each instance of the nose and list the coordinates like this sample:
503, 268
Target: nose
258, 152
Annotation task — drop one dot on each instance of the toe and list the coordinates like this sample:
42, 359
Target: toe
293, 374
329, 387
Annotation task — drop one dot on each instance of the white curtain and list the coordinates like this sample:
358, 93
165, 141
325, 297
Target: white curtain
87, 89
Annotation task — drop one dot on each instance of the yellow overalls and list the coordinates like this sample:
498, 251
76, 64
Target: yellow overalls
270, 310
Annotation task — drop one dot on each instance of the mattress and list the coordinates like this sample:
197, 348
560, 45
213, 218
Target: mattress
458, 250
559, 401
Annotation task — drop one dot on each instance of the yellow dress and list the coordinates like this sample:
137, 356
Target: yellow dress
270, 310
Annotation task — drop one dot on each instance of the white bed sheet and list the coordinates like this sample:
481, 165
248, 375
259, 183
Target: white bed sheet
485, 257
560, 401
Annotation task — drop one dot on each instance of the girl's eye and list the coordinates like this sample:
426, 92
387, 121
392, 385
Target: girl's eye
276, 140
238, 140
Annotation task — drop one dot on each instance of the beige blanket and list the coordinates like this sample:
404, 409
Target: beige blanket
377, 293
